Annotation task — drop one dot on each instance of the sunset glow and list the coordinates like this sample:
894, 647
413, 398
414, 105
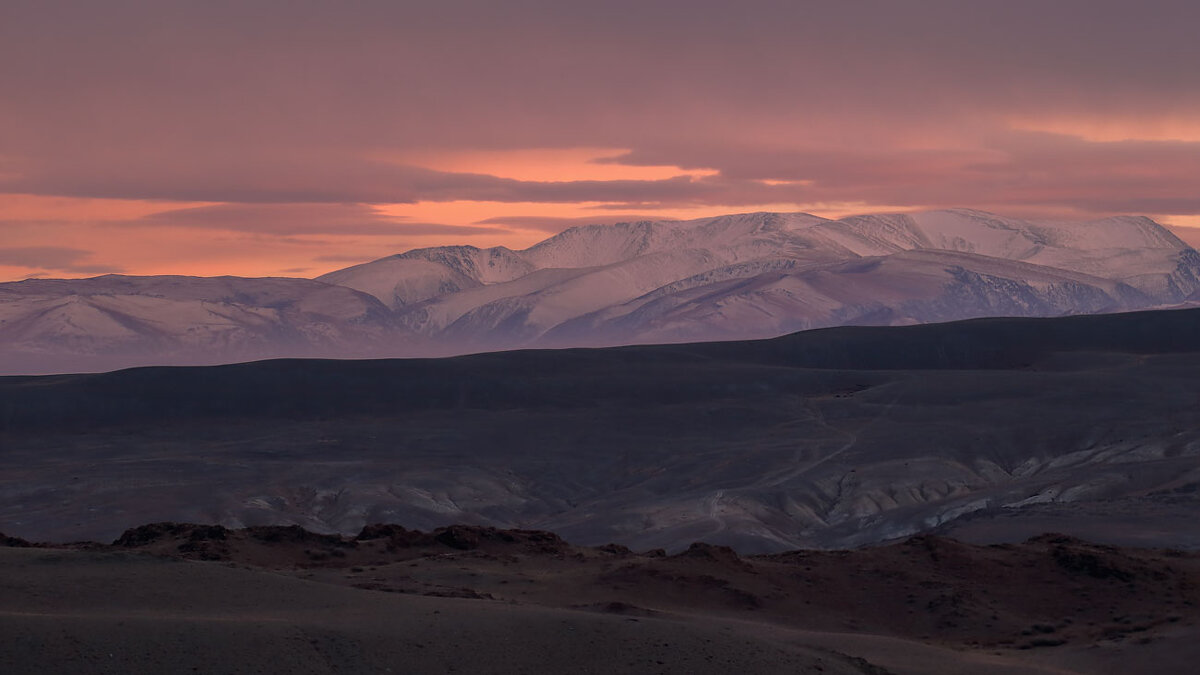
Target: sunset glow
270, 139
542, 164
1168, 129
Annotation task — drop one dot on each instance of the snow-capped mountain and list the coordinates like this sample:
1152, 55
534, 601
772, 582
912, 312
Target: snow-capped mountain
57, 325
763, 274
735, 276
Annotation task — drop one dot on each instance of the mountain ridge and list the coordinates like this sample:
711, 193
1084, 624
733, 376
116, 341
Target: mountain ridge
734, 276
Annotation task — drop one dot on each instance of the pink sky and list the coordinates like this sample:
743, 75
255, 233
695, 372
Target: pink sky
268, 138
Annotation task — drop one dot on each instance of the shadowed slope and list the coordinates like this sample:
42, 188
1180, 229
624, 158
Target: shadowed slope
560, 378
827, 438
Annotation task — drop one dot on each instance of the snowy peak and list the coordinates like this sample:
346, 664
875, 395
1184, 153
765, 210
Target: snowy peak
875, 234
592, 245
485, 265
1118, 232
49, 325
418, 275
731, 238
731, 228
977, 232
981, 233
638, 270
725, 277
424, 275
971, 231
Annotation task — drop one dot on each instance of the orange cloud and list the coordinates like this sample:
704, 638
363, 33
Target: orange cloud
1105, 129
541, 164
304, 137
34, 207
72, 237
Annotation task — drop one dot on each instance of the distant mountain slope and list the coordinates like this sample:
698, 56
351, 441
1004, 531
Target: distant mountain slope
117, 321
764, 274
426, 273
737, 276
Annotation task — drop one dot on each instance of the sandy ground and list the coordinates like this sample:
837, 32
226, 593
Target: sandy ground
116, 613
178, 598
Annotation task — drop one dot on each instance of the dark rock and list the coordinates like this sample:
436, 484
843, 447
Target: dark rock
721, 554
468, 537
273, 534
1083, 562
396, 536
616, 550
13, 542
208, 533
148, 534
461, 537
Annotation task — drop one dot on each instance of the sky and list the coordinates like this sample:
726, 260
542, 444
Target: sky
295, 137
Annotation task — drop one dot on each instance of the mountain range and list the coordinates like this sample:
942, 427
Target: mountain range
741, 276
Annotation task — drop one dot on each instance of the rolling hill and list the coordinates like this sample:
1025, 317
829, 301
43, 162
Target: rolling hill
988, 429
